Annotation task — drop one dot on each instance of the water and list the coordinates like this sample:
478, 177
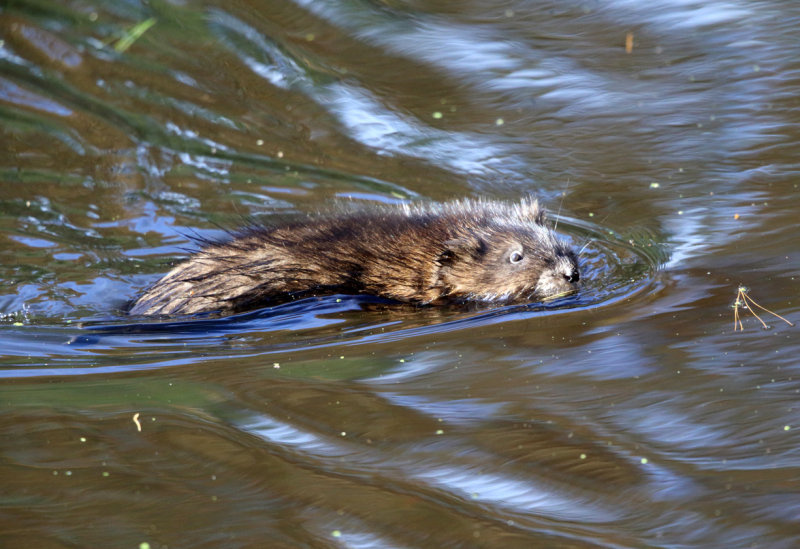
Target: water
630, 415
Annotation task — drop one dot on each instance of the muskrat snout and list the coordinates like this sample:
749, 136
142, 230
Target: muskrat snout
573, 277
560, 278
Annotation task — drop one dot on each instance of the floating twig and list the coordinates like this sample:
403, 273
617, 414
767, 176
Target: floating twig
744, 300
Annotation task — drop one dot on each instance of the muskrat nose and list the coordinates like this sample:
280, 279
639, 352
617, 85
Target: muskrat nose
573, 277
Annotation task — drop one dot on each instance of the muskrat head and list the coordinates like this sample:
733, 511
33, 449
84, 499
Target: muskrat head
508, 265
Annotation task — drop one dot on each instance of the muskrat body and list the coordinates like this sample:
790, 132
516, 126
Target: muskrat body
467, 250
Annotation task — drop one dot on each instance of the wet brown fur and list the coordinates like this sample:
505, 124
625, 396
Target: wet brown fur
423, 254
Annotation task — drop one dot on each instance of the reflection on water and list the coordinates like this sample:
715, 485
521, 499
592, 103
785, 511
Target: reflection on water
628, 415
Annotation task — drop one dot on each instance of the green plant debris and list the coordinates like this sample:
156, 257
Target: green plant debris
133, 34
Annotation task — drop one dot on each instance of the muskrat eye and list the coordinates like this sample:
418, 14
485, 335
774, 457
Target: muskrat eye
515, 257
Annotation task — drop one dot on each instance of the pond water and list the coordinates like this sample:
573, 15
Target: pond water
664, 139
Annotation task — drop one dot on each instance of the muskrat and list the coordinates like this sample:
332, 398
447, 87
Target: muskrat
425, 254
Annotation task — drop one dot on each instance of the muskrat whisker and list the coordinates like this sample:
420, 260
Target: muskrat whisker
585, 246
561, 203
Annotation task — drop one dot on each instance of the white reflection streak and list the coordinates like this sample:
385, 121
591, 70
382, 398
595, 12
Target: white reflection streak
367, 540
370, 122
281, 71
366, 118
690, 238
282, 434
672, 15
267, 72
482, 57
520, 497
489, 60
506, 492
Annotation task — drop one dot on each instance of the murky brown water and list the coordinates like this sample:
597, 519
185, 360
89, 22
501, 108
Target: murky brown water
631, 416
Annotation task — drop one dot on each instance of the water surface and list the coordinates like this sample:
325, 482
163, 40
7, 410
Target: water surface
630, 415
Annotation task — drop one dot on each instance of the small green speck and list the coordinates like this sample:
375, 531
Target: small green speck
106, 474
644, 461
583, 456
144, 545
499, 121
655, 185
786, 427
18, 324
439, 431
437, 115
336, 533
83, 439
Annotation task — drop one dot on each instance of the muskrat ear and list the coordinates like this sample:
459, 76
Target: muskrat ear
529, 209
471, 245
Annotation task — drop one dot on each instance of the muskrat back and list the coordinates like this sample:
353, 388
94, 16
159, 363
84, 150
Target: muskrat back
429, 254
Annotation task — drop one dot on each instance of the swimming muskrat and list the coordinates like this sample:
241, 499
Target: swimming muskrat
467, 250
